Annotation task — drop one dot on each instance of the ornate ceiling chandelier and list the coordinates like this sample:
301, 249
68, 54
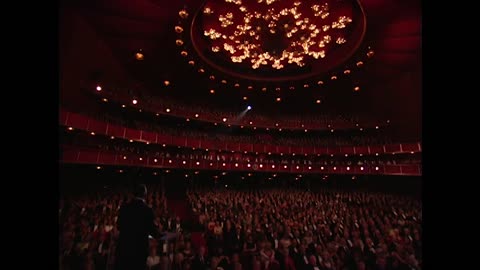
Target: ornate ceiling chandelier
275, 33
272, 41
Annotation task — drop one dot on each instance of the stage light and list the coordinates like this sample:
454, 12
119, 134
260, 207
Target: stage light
249, 107
99, 88
98, 167
134, 101
92, 133
224, 119
184, 162
361, 168
155, 160
70, 128
198, 163
376, 168
105, 100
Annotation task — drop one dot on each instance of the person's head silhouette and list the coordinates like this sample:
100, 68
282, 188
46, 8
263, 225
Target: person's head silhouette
140, 191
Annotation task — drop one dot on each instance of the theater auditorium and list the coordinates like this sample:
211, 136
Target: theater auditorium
254, 134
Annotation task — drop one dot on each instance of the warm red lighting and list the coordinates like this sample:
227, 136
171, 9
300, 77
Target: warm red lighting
361, 168
99, 88
154, 173
279, 129
376, 154
167, 110
155, 160
178, 29
124, 157
306, 130
285, 166
191, 62
111, 137
347, 71
167, 83
306, 86
224, 81
297, 167
188, 119
321, 168
201, 70
98, 167
105, 100
184, 53
278, 99
250, 122
309, 167
346, 155
356, 89
223, 164
184, 162
70, 128
248, 165
245, 98
331, 130
211, 164
196, 115
333, 77
264, 89
348, 168
92, 133
359, 63
123, 105
276, 124
212, 91
261, 165
318, 101
198, 163
139, 56
131, 140
320, 82
376, 168
212, 77
134, 101
224, 119
236, 164
250, 87
273, 166
412, 152
334, 168
169, 161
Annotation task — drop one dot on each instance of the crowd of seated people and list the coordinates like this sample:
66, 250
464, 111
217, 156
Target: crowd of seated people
242, 230
283, 229
186, 110
158, 151
215, 134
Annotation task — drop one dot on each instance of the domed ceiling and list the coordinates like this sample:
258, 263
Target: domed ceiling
360, 57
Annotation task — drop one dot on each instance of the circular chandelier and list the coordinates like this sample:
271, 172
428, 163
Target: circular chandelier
276, 40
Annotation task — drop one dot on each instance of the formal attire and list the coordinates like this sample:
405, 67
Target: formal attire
135, 223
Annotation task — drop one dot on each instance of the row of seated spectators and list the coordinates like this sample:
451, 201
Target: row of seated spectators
158, 151
269, 229
286, 229
207, 112
217, 133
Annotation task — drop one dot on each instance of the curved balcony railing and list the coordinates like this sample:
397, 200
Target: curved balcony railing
78, 121
158, 107
98, 157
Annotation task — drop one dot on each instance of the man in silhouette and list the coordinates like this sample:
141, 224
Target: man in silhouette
135, 223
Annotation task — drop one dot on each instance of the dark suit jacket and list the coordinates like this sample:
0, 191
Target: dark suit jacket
135, 223
198, 265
